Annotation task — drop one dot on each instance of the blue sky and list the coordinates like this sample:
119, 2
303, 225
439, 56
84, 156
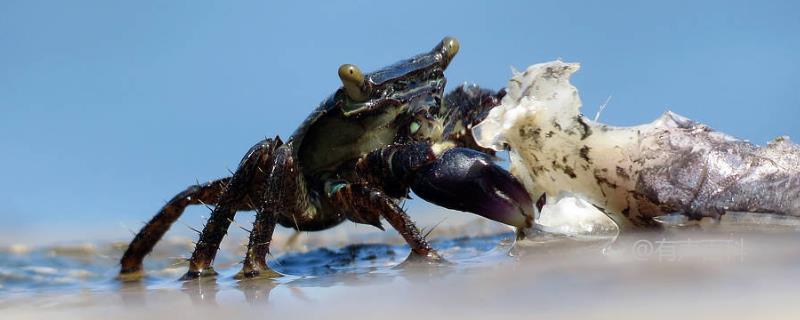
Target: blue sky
107, 109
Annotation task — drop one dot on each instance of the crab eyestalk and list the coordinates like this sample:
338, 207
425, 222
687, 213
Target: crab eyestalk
448, 48
353, 82
467, 180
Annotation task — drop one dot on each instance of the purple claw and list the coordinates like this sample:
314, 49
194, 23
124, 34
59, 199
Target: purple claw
467, 180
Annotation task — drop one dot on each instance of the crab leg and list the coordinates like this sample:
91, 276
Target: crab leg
152, 232
255, 261
401, 222
361, 200
251, 169
284, 194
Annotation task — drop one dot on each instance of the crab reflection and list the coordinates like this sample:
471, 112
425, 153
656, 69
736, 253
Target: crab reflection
356, 265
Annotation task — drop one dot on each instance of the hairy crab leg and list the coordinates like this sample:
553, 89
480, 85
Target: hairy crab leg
282, 193
250, 172
151, 233
359, 199
255, 261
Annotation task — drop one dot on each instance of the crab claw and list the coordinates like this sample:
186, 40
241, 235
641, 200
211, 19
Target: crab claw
467, 180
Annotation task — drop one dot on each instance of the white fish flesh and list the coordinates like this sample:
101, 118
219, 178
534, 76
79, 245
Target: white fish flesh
634, 174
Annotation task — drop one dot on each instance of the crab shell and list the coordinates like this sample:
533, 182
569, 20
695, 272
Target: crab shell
403, 103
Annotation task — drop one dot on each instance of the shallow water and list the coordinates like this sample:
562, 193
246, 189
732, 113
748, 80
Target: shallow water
730, 273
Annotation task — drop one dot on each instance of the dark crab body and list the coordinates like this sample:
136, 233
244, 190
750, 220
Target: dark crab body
354, 158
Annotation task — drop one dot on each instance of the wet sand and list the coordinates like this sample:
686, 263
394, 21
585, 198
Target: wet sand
718, 274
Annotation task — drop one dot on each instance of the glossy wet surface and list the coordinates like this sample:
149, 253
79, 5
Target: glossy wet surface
678, 273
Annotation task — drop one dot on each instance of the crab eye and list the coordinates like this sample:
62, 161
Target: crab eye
353, 82
449, 49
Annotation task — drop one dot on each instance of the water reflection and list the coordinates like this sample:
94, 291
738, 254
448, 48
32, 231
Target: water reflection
350, 266
528, 275
257, 290
133, 293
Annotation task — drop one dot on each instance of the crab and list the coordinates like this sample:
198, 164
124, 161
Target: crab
356, 157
